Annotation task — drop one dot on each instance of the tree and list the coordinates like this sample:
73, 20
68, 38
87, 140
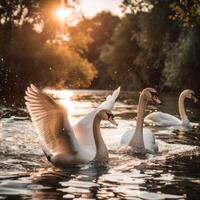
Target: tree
96, 32
118, 56
29, 54
182, 63
136, 55
187, 12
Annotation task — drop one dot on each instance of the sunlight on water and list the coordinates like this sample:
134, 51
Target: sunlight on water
173, 173
65, 98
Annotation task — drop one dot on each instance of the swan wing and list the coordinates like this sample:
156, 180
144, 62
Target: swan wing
110, 100
50, 120
126, 138
162, 119
149, 141
84, 128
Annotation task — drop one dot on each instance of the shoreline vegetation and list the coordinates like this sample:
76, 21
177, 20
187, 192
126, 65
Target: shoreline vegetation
155, 44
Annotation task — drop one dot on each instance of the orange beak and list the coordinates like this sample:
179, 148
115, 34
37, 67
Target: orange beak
195, 99
111, 120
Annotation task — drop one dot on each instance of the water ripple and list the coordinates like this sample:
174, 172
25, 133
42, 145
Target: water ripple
173, 173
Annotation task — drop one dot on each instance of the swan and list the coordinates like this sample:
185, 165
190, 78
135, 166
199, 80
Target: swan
139, 138
62, 143
165, 119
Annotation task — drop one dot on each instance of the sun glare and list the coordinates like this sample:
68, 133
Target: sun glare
62, 13
63, 97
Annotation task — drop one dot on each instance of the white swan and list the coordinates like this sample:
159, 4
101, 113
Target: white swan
164, 119
63, 144
140, 138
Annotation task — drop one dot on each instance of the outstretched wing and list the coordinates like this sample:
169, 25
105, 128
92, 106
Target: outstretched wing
110, 100
84, 128
51, 123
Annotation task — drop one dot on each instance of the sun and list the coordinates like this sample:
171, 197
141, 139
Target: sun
62, 13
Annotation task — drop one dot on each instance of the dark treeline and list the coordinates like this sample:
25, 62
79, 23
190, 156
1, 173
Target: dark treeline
156, 43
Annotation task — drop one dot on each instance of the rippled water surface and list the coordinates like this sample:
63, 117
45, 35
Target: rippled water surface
173, 173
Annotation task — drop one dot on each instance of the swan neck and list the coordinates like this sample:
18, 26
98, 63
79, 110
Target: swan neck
181, 106
137, 139
101, 150
140, 114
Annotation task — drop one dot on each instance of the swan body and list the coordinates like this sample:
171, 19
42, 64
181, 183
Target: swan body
138, 137
62, 143
162, 119
149, 140
165, 119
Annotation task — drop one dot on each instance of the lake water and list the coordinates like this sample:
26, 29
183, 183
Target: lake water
173, 173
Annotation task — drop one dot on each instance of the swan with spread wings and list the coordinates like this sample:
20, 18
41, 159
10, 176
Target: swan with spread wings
62, 143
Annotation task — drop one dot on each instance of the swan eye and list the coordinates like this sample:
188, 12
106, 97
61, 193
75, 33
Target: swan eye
193, 94
154, 94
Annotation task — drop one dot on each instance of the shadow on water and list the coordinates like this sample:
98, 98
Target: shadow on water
171, 174
70, 182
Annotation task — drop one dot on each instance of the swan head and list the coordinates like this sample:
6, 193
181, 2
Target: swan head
107, 115
151, 95
190, 94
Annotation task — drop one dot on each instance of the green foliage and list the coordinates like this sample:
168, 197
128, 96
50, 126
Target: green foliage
136, 6
149, 49
186, 11
182, 63
136, 57
120, 53
166, 49
66, 66
96, 32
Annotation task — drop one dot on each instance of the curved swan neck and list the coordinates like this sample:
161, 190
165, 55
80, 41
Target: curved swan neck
137, 139
101, 153
181, 106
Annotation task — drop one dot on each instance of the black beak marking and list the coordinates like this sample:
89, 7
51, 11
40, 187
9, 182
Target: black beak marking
194, 96
110, 115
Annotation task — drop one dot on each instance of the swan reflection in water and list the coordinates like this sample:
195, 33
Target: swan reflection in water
72, 182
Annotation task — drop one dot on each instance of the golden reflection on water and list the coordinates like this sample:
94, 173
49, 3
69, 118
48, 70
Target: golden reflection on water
65, 98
